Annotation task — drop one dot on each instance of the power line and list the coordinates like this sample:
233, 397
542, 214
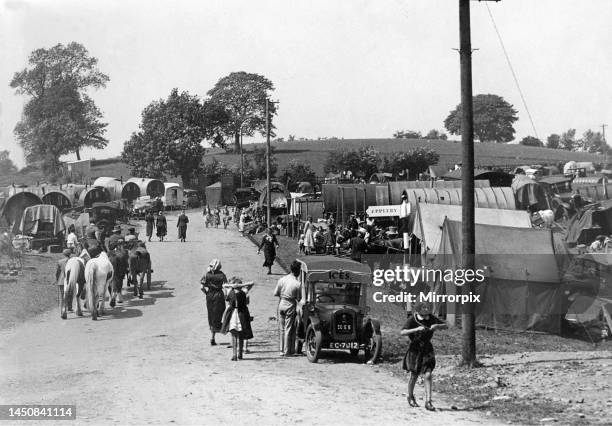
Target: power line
501, 42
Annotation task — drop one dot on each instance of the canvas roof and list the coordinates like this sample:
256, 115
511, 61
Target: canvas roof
33, 216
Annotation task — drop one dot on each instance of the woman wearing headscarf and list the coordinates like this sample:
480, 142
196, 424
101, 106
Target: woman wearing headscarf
269, 244
309, 243
212, 286
238, 319
162, 226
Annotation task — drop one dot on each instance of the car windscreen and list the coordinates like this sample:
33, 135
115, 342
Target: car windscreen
345, 293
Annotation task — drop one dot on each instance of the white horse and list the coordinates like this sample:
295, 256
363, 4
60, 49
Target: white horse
72, 288
98, 277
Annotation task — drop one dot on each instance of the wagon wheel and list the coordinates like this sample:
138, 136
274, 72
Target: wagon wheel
373, 353
313, 342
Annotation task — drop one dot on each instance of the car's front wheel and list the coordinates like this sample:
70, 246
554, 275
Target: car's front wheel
373, 353
313, 342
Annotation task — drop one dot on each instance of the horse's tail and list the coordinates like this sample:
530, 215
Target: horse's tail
91, 290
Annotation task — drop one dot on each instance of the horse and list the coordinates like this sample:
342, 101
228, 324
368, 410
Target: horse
119, 259
73, 285
139, 264
98, 277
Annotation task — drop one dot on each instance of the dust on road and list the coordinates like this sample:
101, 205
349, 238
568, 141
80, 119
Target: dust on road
150, 362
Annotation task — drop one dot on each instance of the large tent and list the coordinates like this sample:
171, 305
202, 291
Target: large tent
522, 290
429, 220
13, 207
213, 194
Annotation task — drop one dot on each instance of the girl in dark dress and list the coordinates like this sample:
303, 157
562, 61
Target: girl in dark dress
150, 219
162, 226
238, 320
212, 286
420, 357
269, 244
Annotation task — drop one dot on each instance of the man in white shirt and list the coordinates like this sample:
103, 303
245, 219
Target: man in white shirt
289, 291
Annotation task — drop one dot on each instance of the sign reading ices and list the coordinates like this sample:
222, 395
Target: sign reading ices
382, 211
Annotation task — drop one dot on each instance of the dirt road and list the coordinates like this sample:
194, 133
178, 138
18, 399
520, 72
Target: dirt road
149, 361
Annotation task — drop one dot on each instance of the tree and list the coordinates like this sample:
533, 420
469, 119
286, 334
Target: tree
407, 134
594, 142
493, 119
214, 169
170, 136
553, 141
7, 167
568, 140
297, 171
291, 138
364, 161
243, 95
59, 117
436, 135
257, 162
531, 141
415, 161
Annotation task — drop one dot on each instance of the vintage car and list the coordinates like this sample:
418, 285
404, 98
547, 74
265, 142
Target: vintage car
333, 312
105, 216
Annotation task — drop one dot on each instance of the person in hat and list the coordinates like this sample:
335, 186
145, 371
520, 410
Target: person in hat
60, 275
181, 224
162, 226
309, 243
91, 244
269, 244
116, 237
150, 220
358, 245
131, 236
212, 286
420, 358
237, 320
289, 292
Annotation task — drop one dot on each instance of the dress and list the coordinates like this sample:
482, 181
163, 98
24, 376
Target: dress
162, 226
308, 235
181, 224
269, 243
420, 357
215, 300
150, 219
238, 302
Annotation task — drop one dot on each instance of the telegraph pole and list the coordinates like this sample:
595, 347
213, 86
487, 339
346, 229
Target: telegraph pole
468, 353
268, 195
603, 131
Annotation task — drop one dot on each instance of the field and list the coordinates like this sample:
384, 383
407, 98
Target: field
316, 152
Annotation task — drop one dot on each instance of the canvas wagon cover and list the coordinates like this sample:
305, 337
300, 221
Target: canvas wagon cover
44, 213
523, 290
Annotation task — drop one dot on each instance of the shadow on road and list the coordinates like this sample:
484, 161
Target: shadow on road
119, 312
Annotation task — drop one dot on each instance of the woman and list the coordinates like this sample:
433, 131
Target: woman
420, 357
162, 226
308, 236
72, 241
241, 222
238, 319
269, 244
150, 220
212, 286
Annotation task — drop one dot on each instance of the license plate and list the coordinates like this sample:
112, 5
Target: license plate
344, 345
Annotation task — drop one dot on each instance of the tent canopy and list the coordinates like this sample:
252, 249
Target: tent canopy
35, 216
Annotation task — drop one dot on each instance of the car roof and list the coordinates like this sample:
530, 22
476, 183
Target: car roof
326, 263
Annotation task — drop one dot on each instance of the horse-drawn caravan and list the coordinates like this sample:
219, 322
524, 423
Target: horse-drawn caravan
58, 198
152, 187
173, 196
94, 194
119, 190
44, 223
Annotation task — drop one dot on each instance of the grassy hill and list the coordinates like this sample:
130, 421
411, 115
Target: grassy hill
316, 152
486, 154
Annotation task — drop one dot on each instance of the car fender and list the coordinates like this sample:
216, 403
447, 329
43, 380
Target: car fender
375, 324
316, 323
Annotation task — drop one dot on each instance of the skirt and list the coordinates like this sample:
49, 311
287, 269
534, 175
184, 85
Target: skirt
215, 306
238, 323
161, 231
420, 358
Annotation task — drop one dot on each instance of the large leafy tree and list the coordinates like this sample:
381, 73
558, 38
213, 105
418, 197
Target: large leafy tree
243, 95
594, 142
493, 119
361, 162
170, 137
407, 134
59, 116
297, 171
531, 141
415, 161
568, 140
553, 141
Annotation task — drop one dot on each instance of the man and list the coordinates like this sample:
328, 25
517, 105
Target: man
91, 244
404, 220
181, 224
92, 229
358, 245
131, 236
60, 274
289, 291
114, 240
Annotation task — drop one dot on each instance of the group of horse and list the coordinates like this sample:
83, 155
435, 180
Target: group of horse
90, 278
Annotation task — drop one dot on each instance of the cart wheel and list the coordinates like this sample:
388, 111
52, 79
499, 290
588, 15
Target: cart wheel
372, 354
313, 344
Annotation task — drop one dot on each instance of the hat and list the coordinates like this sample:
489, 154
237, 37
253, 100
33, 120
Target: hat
214, 265
117, 228
67, 252
392, 230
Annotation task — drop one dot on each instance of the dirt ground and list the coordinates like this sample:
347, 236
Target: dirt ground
149, 361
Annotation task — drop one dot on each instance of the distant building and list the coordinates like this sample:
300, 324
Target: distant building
79, 170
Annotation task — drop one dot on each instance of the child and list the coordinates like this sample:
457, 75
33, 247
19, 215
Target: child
301, 243
238, 320
420, 357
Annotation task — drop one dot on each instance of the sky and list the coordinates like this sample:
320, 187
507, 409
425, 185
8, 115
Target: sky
343, 68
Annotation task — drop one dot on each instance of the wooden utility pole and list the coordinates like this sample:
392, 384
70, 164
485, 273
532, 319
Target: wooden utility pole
468, 352
268, 195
